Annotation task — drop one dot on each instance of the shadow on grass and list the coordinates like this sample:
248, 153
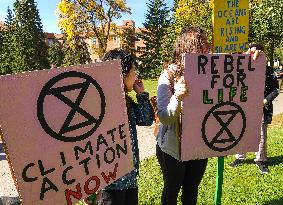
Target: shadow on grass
272, 161
9, 200
274, 202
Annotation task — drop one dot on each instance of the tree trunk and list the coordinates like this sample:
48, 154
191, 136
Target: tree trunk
271, 57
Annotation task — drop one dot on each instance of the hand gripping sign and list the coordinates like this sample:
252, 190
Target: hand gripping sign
64, 136
223, 112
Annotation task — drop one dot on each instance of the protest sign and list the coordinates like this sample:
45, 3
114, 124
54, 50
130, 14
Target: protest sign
64, 136
222, 114
230, 25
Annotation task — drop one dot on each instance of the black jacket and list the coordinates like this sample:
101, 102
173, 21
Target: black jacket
270, 93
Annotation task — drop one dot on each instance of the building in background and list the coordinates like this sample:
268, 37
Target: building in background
114, 41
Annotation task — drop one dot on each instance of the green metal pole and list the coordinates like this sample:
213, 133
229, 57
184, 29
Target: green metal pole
219, 180
92, 199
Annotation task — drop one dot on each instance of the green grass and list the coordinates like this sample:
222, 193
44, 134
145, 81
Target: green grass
150, 86
243, 185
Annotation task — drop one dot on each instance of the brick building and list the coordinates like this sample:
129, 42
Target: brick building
113, 42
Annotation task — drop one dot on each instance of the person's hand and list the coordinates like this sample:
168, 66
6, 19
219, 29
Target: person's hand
181, 89
254, 51
265, 102
138, 86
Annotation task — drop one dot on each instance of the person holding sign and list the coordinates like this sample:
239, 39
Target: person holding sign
124, 191
171, 89
270, 93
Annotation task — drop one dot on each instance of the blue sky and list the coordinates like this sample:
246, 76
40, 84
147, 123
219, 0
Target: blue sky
49, 19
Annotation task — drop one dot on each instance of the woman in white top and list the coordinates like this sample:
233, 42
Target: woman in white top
171, 89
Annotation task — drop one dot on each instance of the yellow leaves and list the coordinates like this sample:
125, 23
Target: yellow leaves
121, 4
65, 7
193, 13
91, 5
83, 18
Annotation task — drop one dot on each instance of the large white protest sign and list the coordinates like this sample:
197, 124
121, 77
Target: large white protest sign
223, 112
65, 131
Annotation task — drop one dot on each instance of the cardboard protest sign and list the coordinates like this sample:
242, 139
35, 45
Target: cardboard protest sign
230, 25
222, 114
66, 131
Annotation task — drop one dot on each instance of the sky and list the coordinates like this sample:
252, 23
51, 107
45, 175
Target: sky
49, 19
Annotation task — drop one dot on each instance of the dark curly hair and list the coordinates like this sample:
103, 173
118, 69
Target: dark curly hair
257, 46
127, 60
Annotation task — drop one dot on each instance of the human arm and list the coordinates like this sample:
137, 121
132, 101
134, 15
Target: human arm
143, 110
271, 85
169, 104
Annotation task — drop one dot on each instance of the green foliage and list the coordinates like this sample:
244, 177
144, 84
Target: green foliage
23, 40
266, 25
128, 40
279, 54
168, 44
196, 13
94, 18
30, 51
1, 39
76, 54
243, 185
55, 54
7, 45
157, 20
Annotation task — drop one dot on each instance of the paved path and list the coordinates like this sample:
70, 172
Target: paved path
278, 104
9, 195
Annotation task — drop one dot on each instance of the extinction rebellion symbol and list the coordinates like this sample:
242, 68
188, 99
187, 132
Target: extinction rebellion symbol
59, 90
224, 116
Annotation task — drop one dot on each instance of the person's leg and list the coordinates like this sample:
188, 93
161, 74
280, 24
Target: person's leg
194, 172
131, 196
173, 173
112, 197
261, 155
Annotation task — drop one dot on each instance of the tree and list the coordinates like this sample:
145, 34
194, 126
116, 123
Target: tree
30, 49
157, 20
7, 47
196, 13
55, 54
168, 44
128, 39
91, 18
1, 39
76, 54
279, 54
266, 25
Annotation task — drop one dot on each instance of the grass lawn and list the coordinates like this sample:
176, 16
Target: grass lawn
243, 185
150, 86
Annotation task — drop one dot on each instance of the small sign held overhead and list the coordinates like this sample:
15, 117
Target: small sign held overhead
230, 26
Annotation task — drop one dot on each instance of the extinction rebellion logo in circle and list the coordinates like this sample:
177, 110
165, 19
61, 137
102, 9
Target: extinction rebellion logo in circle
61, 108
224, 116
